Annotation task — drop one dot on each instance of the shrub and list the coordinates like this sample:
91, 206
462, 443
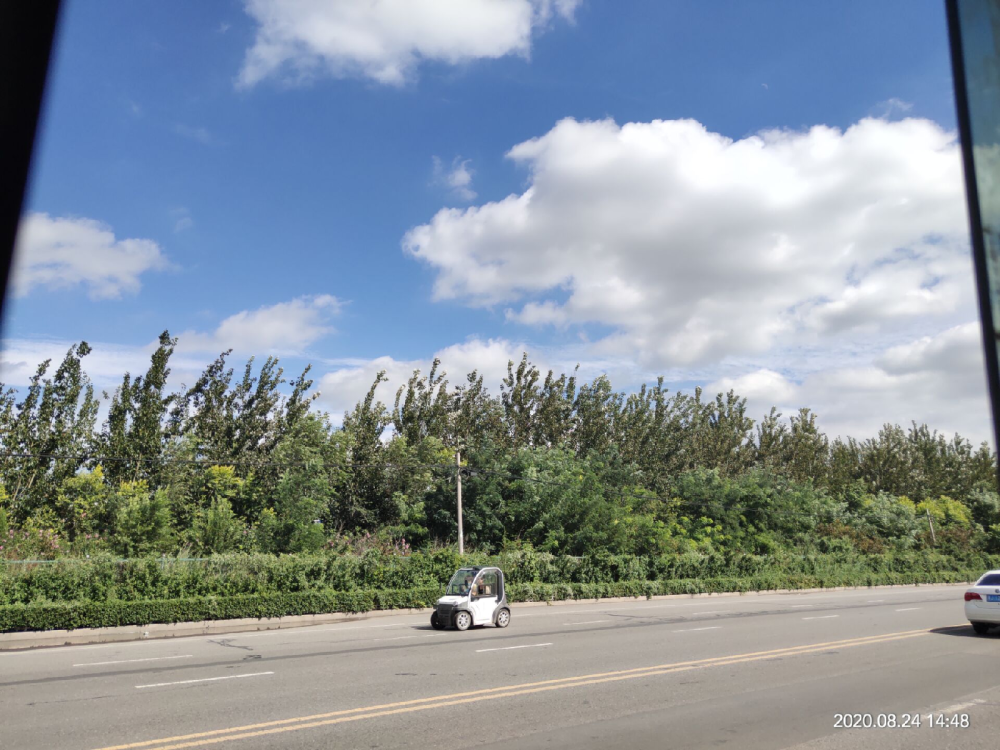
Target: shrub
143, 520
217, 529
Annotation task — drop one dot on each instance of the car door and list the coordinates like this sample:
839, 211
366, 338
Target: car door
484, 598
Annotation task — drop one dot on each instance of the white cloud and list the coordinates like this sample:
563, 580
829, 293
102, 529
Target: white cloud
892, 106
458, 178
693, 247
61, 253
344, 387
182, 219
105, 365
386, 40
284, 328
764, 388
201, 135
939, 380
287, 329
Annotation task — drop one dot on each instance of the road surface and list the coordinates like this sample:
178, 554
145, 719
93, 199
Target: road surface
770, 671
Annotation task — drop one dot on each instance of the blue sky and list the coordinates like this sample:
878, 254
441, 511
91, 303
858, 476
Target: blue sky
284, 191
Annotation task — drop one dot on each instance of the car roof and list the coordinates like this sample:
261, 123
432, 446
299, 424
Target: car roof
991, 572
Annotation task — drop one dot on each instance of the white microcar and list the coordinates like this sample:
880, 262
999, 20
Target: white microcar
475, 596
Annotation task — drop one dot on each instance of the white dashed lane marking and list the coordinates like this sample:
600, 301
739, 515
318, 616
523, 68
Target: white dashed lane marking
131, 661
206, 679
405, 637
695, 630
509, 648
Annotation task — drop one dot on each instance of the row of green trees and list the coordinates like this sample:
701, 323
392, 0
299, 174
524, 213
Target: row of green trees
246, 463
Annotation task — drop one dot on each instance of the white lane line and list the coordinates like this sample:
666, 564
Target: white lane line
907, 609
608, 609
823, 617
310, 629
960, 706
206, 679
508, 648
588, 622
797, 606
132, 661
875, 601
695, 630
713, 612
404, 637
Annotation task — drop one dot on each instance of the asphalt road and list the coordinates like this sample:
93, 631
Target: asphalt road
769, 671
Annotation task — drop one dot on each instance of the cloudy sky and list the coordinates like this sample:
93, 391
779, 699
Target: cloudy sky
761, 196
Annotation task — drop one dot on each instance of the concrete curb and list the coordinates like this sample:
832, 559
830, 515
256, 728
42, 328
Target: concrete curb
764, 592
81, 636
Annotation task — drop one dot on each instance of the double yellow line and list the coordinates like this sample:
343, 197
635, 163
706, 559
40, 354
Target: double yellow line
202, 739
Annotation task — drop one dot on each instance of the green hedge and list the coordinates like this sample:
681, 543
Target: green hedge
70, 615
107, 580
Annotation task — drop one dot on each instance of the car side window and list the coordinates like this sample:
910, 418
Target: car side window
488, 584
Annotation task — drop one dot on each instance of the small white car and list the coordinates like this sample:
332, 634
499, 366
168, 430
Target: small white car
982, 602
475, 596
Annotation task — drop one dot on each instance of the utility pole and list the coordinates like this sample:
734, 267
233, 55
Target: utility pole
930, 522
458, 476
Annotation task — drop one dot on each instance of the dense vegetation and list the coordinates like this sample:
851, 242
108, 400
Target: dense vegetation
245, 464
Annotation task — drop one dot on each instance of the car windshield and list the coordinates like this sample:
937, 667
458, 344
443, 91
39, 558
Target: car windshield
461, 582
990, 579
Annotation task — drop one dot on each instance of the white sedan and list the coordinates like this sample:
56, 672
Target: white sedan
982, 602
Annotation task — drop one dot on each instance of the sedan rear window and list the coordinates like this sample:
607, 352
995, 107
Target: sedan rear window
990, 579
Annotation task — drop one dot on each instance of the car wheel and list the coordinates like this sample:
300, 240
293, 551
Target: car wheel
981, 628
503, 618
436, 622
463, 620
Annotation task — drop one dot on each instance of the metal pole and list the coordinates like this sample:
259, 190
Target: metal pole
930, 522
458, 474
